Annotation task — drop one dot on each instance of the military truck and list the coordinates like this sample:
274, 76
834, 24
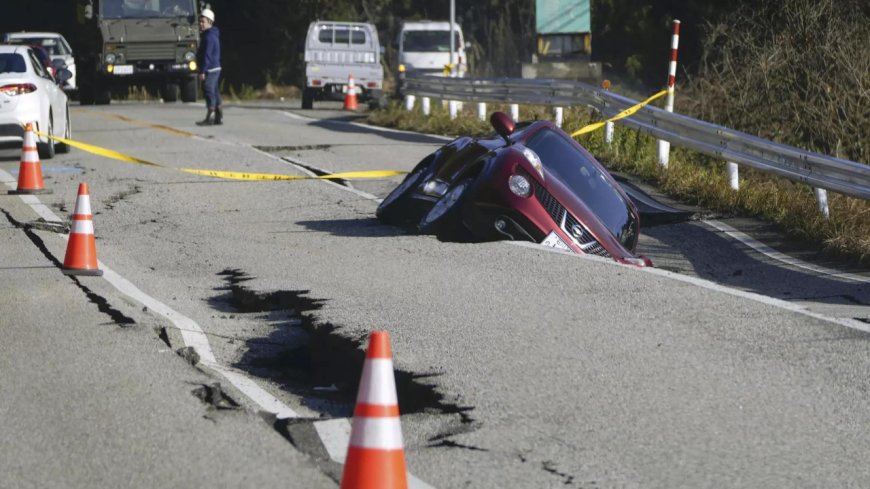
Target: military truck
564, 42
148, 43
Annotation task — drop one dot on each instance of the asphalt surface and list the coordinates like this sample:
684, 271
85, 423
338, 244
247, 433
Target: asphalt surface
517, 366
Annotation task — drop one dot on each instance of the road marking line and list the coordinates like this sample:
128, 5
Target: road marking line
782, 257
700, 282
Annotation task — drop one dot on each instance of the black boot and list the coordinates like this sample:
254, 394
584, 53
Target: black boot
218, 116
206, 121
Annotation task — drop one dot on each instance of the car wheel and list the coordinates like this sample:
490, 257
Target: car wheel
443, 219
396, 209
307, 98
67, 134
46, 150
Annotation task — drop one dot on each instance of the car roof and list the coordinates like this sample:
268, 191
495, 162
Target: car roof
429, 25
13, 48
32, 34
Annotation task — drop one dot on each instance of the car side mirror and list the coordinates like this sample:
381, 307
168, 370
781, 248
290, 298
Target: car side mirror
503, 125
63, 75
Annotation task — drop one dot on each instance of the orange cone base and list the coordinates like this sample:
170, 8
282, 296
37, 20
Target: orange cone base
369, 468
77, 271
31, 191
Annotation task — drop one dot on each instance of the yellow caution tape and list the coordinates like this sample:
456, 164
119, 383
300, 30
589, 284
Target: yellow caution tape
231, 175
625, 113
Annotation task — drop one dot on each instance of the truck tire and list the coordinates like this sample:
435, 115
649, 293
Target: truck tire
169, 93
377, 100
307, 98
86, 95
188, 90
102, 94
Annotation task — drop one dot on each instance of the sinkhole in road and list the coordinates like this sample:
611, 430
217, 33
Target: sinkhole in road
308, 358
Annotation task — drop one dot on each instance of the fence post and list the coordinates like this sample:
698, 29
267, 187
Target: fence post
409, 102
664, 147
557, 114
608, 126
481, 111
733, 175
515, 112
822, 199
426, 106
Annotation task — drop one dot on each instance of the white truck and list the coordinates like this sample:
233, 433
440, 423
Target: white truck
424, 47
336, 50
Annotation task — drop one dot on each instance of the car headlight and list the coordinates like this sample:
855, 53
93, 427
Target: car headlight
189, 56
520, 185
535, 161
110, 58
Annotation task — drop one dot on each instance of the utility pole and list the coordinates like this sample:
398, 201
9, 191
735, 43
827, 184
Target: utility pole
452, 37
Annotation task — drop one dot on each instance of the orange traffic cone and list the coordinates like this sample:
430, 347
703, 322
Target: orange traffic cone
29, 172
81, 251
350, 102
376, 455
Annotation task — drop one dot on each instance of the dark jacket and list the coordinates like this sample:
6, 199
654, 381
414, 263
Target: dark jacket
209, 56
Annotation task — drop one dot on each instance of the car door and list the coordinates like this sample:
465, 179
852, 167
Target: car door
55, 99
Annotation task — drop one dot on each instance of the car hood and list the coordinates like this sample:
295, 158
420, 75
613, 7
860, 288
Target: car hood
148, 30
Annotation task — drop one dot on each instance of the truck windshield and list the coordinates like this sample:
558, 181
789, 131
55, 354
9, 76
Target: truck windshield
428, 41
139, 9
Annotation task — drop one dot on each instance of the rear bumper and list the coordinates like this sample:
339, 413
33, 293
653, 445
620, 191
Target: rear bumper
11, 132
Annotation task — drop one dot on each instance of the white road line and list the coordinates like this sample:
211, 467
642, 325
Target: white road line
782, 257
847, 322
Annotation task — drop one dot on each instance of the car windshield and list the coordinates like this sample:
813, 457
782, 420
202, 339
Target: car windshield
575, 170
51, 44
138, 9
428, 41
12, 63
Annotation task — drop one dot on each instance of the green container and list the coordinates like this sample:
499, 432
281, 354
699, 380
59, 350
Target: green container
562, 16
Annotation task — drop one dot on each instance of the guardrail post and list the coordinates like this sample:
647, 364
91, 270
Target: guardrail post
822, 199
452, 108
557, 114
515, 112
426, 106
481, 111
409, 102
664, 147
733, 175
608, 126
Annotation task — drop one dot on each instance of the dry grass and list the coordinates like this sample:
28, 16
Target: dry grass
691, 177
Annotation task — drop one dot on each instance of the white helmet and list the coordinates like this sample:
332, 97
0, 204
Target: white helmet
208, 14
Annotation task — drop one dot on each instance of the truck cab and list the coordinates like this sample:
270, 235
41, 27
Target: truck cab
138, 42
336, 50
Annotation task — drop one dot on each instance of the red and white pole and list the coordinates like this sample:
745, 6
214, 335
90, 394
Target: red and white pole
664, 147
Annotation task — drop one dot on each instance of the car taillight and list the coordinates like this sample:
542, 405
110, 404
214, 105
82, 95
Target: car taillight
18, 89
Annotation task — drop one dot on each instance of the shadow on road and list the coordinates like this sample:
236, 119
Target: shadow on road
695, 249
364, 227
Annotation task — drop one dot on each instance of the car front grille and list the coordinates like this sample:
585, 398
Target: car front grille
572, 227
150, 52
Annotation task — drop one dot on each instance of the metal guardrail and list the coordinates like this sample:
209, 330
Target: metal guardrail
820, 171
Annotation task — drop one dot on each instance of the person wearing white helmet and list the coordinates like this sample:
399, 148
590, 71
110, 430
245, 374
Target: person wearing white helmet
209, 58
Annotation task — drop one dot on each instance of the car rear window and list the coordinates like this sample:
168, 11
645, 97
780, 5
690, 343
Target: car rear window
341, 36
50, 44
575, 170
12, 63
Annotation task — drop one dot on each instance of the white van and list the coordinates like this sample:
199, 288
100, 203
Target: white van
424, 47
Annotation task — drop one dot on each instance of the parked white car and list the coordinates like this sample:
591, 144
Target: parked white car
28, 93
52, 42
